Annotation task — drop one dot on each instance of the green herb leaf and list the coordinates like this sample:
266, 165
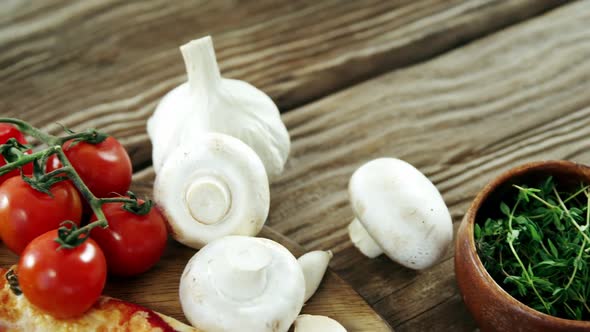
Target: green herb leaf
513, 235
553, 249
505, 209
538, 248
533, 231
477, 231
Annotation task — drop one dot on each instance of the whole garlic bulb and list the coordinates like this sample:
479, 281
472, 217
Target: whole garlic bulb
211, 103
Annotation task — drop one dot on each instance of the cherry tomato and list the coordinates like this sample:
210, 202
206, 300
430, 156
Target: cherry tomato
26, 213
66, 282
7, 131
132, 243
104, 167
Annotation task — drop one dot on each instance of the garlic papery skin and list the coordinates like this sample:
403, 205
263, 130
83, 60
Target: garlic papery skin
314, 265
211, 103
166, 122
313, 323
240, 283
215, 188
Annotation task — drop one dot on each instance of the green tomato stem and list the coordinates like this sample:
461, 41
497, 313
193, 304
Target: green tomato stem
54, 144
54, 173
32, 131
116, 200
64, 139
25, 159
94, 202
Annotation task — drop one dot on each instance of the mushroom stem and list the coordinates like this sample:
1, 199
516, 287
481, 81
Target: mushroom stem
208, 199
363, 240
241, 274
314, 265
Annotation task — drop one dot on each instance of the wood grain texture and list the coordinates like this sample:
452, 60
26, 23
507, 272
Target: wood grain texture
461, 118
516, 96
106, 63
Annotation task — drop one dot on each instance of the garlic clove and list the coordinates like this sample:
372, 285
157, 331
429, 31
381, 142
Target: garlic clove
210, 103
240, 283
213, 189
314, 265
313, 323
398, 212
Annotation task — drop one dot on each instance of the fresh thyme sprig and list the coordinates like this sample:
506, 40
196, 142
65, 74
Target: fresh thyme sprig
539, 249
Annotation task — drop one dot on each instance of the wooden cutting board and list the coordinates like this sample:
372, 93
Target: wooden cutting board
158, 288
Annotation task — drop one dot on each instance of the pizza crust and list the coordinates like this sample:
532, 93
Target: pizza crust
17, 314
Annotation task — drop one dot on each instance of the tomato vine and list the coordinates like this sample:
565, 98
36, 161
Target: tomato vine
69, 235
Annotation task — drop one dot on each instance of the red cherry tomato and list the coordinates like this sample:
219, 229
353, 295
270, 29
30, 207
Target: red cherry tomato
132, 243
104, 167
66, 282
7, 131
26, 213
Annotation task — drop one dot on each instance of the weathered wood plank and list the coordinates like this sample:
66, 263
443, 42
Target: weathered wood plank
449, 315
462, 118
516, 96
107, 63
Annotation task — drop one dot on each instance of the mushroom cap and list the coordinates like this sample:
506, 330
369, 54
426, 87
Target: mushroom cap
211, 189
402, 211
212, 302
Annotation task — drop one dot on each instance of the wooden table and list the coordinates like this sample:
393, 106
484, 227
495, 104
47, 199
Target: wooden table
463, 90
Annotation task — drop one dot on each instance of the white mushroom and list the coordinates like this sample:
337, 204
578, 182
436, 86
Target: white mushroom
215, 188
211, 103
314, 265
240, 283
313, 323
398, 212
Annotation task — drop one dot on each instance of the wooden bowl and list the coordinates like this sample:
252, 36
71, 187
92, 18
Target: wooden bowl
492, 307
